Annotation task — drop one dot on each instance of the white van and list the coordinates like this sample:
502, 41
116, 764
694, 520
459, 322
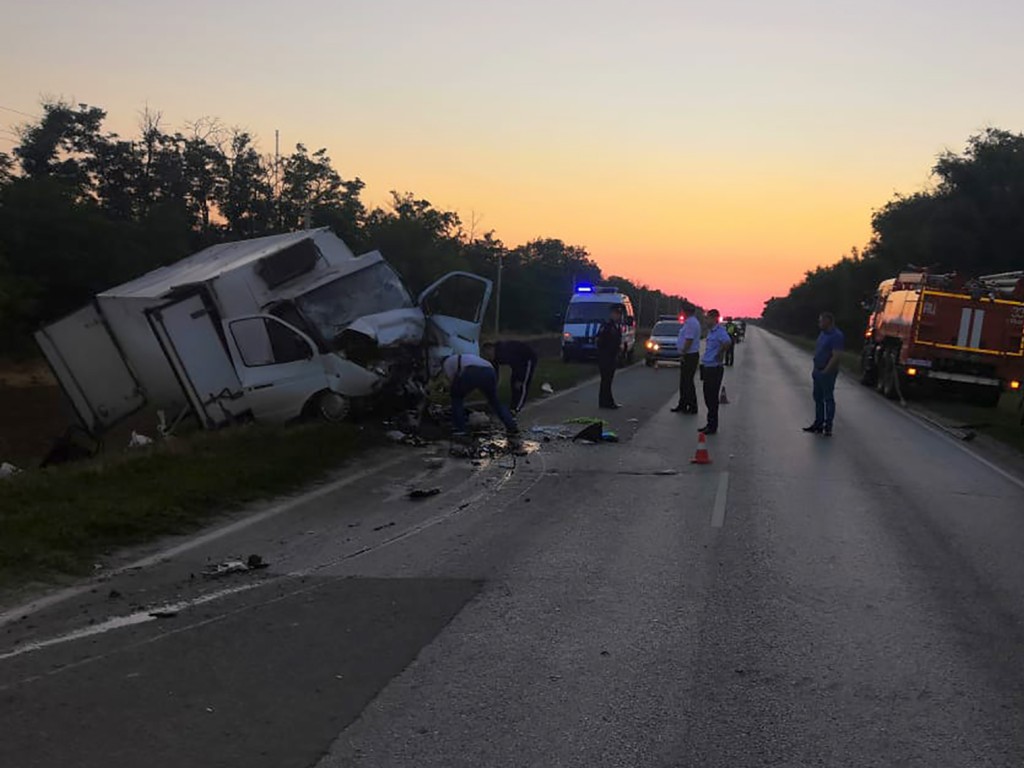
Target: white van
588, 308
267, 329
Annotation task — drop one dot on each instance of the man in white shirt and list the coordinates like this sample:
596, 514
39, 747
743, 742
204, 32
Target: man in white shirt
467, 373
712, 372
688, 344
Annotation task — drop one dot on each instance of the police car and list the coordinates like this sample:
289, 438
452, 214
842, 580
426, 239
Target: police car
588, 308
664, 341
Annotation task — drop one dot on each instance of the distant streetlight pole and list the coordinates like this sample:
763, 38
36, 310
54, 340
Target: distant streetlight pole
497, 299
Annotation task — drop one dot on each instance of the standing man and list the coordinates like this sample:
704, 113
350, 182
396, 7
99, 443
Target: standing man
468, 373
730, 353
712, 372
824, 374
609, 346
689, 359
522, 359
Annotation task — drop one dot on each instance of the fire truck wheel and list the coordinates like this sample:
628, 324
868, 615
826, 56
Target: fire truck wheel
889, 373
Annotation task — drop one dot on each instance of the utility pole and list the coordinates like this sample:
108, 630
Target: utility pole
497, 300
277, 178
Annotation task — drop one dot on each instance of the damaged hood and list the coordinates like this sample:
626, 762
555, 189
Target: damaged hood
392, 328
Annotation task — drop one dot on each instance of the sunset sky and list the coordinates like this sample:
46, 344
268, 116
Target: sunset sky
715, 149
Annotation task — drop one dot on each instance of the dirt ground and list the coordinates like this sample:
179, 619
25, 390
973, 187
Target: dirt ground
34, 413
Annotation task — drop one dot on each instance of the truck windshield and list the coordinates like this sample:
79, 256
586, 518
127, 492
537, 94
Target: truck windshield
589, 312
333, 307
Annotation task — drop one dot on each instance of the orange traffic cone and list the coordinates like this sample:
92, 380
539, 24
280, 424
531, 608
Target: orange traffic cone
724, 399
702, 457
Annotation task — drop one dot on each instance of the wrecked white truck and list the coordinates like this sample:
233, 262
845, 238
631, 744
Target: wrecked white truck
270, 329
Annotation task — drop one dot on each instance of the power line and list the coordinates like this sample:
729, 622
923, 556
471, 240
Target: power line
18, 112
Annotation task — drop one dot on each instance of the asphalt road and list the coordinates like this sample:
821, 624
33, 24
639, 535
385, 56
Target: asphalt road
802, 601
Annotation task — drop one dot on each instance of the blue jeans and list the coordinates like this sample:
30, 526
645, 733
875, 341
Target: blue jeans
485, 380
824, 397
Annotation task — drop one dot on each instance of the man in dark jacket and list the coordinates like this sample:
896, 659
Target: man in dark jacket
522, 359
609, 348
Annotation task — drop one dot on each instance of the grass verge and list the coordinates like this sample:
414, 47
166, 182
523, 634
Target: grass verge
60, 520
550, 370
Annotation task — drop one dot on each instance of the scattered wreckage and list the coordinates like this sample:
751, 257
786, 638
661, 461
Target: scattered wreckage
269, 329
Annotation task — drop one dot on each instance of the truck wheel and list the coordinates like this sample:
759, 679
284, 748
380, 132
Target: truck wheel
868, 375
889, 373
987, 397
331, 407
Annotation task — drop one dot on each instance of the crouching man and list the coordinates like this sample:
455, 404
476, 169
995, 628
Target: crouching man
470, 373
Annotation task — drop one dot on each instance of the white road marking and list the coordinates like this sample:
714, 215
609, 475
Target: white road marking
131, 620
721, 495
16, 613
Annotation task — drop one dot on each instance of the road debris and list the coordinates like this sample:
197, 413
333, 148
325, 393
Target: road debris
382, 527
164, 613
592, 433
228, 567
9, 470
423, 493
139, 440
553, 430
395, 435
547, 389
434, 462
478, 420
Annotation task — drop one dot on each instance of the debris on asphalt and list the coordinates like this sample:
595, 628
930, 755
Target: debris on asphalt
228, 567
478, 420
395, 435
633, 421
552, 430
9, 470
609, 437
114, 595
423, 493
255, 563
139, 440
382, 527
586, 420
592, 433
434, 462
164, 613
547, 389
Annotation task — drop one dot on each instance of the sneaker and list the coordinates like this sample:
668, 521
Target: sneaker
815, 429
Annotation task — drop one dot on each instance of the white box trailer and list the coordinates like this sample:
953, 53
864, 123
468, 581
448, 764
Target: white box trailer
268, 329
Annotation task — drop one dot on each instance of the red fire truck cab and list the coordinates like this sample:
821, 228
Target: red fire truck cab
948, 330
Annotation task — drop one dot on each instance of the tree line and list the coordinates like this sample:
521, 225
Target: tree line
970, 221
83, 209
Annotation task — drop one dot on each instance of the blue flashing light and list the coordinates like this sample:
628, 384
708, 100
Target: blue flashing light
584, 288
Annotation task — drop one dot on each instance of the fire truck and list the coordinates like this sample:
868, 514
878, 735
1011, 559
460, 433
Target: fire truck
946, 330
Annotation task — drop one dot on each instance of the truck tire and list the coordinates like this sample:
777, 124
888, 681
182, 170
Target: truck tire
986, 397
868, 374
887, 377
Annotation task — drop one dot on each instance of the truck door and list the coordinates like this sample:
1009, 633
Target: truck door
278, 365
90, 368
190, 337
454, 307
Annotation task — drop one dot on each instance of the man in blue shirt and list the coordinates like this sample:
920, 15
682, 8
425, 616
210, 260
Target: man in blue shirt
689, 358
824, 374
712, 372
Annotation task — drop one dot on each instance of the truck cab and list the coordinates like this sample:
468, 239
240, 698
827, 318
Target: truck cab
588, 308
